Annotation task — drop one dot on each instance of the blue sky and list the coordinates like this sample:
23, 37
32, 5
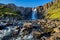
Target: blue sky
26, 3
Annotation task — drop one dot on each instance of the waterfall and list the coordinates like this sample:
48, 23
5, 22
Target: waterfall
34, 14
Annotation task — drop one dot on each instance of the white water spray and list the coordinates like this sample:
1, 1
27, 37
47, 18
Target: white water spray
34, 14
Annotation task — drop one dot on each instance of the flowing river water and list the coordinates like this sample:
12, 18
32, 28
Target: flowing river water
34, 14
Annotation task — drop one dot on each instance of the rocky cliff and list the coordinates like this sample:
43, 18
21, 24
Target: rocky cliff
41, 10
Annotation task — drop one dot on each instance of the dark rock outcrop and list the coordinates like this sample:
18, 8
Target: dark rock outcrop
28, 13
40, 12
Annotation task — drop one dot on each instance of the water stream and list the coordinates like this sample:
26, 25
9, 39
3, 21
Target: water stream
34, 14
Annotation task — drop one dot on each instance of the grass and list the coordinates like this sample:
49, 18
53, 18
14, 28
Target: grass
54, 11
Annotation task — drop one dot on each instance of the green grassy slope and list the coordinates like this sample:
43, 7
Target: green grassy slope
8, 12
54, 11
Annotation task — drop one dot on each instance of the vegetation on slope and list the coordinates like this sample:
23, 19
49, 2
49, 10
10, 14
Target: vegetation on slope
54, 11
8, 12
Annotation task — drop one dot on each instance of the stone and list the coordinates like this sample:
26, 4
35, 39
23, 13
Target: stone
36, 34
57, 29
28, 25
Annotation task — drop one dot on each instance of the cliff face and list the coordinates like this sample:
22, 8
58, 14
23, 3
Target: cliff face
28, 13
41, 10
25, 12
48, 5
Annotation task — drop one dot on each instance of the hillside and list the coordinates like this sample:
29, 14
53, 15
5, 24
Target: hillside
54, 11
11, 10
8, 12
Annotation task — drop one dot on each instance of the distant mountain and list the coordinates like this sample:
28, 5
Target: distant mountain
1, 4
24, 12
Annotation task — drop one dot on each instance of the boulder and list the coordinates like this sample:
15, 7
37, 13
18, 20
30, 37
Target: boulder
27, 25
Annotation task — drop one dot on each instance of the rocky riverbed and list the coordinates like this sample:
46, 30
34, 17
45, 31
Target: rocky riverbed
43, 29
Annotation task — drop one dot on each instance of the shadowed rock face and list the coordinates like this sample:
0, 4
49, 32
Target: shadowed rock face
40, 12
28, 13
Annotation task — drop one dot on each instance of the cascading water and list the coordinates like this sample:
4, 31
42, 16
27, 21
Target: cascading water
33, 14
